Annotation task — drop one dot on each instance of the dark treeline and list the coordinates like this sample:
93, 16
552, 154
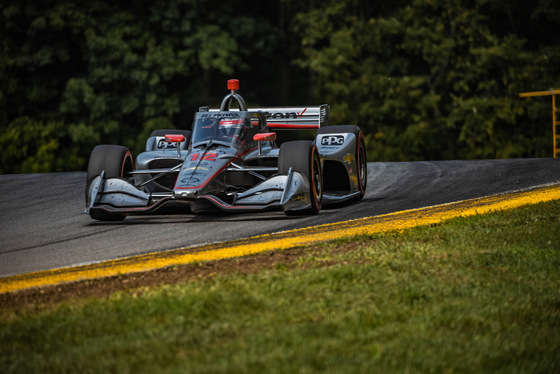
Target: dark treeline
425, 79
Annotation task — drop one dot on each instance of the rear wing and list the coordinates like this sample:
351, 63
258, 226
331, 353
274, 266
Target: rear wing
291, 118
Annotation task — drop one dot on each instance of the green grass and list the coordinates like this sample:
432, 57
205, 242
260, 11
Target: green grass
473, 295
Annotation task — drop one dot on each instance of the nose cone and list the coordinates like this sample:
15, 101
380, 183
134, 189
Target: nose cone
191, 180
198, 171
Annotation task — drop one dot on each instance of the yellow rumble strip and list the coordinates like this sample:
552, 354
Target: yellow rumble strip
282, 240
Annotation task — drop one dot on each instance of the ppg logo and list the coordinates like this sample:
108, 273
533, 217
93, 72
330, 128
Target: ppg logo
161, 144
332, 140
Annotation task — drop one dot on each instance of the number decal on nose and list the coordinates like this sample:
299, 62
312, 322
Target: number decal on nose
210, 156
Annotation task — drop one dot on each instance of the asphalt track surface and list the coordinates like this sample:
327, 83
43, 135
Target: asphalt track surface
42, 225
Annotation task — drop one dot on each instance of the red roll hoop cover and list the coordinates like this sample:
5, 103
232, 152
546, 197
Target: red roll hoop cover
233, 84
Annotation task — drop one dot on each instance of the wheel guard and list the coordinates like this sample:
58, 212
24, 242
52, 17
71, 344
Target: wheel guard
115, 195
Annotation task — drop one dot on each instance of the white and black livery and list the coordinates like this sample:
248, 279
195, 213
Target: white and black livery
231, 162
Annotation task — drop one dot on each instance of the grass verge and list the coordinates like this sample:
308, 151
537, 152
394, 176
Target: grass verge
478, 294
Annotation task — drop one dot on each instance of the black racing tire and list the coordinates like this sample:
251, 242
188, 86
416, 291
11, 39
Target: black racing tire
303, 157
362, 167
361, 158
117, 162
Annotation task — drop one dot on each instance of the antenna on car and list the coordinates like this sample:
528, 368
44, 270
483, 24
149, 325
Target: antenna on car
233, 86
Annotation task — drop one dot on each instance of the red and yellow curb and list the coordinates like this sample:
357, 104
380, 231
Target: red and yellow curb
283, 240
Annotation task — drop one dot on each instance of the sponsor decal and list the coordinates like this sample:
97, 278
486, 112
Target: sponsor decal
333, 140
198, 168
219, 114
188, 180
287, 115
323, 114
231, 122
162, 144
348, 158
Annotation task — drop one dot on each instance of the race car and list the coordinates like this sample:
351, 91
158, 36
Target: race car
231, 162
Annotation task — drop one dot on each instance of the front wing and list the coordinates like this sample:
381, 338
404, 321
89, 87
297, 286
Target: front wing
118, 196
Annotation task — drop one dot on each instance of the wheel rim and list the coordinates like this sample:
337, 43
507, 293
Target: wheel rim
317, 180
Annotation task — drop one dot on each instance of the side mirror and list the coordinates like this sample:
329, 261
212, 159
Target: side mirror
265, 136
175, 138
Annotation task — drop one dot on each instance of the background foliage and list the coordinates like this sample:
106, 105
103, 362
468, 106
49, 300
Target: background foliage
424, 79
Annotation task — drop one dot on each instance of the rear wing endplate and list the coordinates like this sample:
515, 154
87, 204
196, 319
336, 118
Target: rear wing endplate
291, 118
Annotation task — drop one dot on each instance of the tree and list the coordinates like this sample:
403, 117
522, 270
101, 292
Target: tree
431, 80
112, 72
427, 79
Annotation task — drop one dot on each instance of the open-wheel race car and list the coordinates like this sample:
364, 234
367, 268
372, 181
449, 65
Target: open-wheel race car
230, 162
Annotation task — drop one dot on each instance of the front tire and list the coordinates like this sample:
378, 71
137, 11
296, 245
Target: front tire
117, 162
302, 156
362, 166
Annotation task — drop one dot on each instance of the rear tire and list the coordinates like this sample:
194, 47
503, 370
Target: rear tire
302, 156
117, 162
361, 158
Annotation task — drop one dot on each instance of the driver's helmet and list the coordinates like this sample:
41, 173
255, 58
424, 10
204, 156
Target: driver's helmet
229, 127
